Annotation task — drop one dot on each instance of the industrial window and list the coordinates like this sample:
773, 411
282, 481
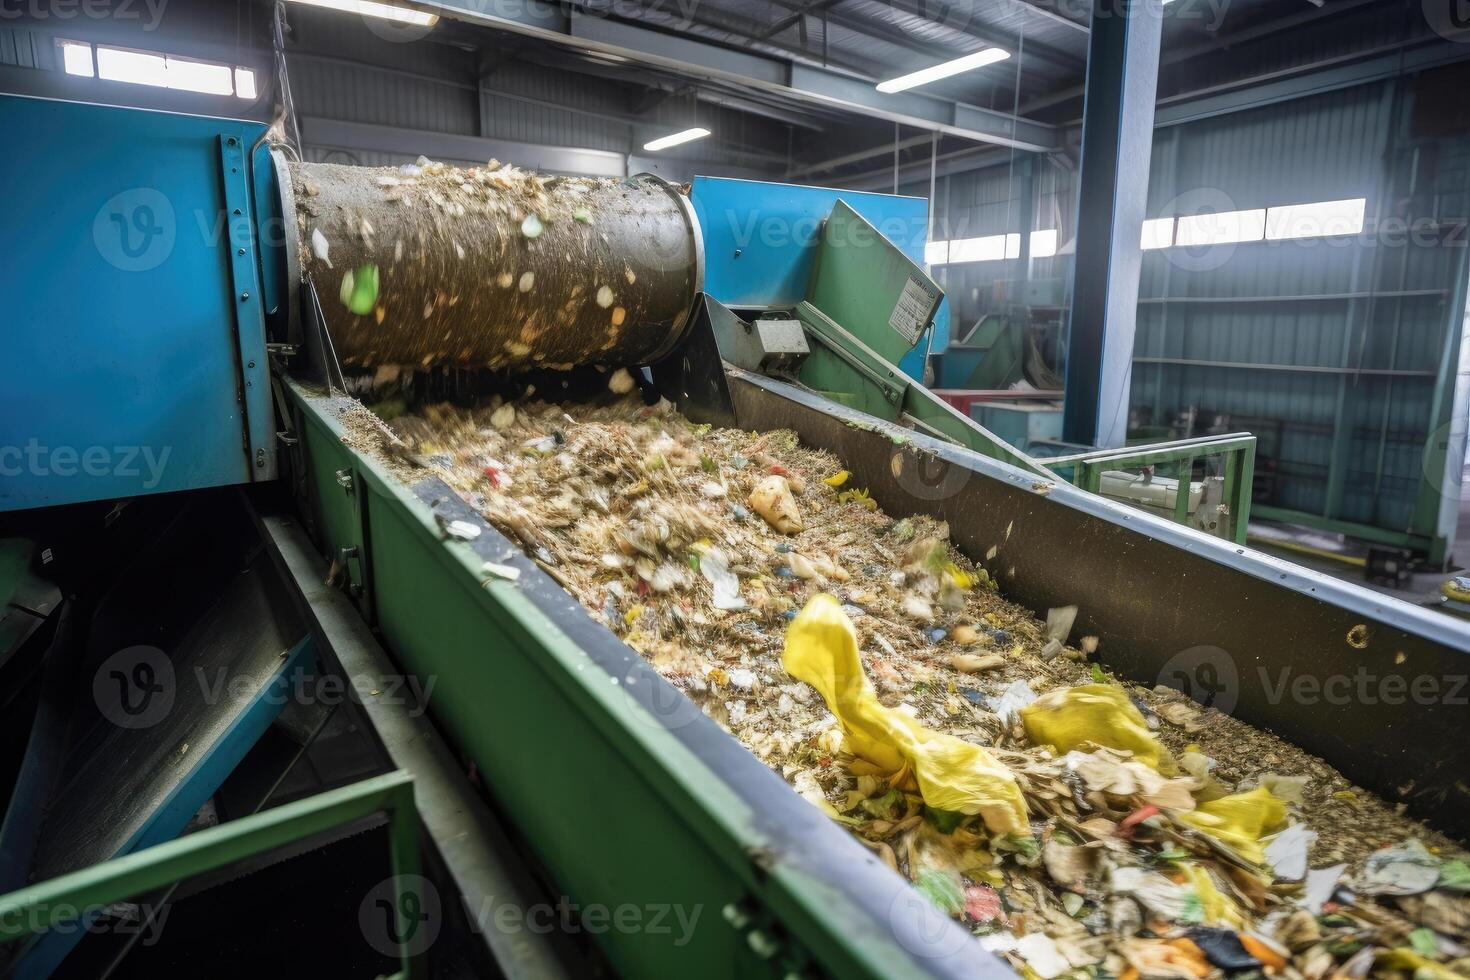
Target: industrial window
1221, 228
76, 57
159, 70
1324, 219
1158, 233
991, 248
1044, 243
986, 249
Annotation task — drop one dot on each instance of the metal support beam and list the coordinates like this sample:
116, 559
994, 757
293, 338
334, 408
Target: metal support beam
339, 134
797, 81
1117, 141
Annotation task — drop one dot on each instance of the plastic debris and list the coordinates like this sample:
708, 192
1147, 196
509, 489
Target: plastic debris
1240, 820
772, 499
821, 649
714, 566
1321, 885
319, 246
506, 573
1223, 948
1286, 853
461, 530
359, 290
1405, 869
1012, 700
967, 663
1100, 855
1094, 714
1058, 627
620, 382
532, 227
1042, 956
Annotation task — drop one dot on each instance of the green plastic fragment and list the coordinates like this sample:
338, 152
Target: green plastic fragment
1424, 942
943, 889
359, 292
1454, 876
944, 821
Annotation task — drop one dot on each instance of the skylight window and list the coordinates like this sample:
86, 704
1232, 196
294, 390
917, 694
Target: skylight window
156, 69
1324, 219
1221, 228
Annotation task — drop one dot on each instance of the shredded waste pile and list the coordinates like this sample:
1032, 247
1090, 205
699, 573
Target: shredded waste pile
1077, 824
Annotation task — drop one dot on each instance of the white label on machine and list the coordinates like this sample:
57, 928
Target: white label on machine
911, 313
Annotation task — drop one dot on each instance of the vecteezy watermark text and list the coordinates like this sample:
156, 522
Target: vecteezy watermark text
34, 458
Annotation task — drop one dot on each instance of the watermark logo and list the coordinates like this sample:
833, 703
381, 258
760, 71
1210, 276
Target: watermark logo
1205, 674
135, 230
148, 11
1450, 19
135, 687
922, 929
401, 915
568, 918
1209, 214
128, 462
1209, 675
134, 919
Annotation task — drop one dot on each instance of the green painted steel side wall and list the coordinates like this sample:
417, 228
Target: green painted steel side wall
618, 809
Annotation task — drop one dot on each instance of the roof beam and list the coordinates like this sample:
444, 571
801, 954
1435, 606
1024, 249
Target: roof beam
607, 39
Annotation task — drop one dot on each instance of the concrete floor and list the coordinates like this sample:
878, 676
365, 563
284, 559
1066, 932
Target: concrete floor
1423, 589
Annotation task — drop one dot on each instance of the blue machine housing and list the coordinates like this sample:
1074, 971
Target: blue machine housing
147, 264
134, 351
760, 241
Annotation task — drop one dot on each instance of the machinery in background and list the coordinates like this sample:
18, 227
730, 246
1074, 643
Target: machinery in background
165, 318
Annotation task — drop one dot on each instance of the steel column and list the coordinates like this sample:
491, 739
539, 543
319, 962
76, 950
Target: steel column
1117, 140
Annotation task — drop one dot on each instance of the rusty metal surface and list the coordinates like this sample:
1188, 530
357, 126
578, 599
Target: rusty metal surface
497, 268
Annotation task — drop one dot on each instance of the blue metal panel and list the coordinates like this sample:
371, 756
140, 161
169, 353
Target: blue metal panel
132, 306
760, 238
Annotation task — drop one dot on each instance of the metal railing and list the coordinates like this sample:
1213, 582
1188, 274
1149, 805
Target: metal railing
58, 901
1085, 471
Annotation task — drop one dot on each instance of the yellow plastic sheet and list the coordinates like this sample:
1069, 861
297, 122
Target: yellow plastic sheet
1240, 820
1215, 906
1101, 714
822, 650
1405, 960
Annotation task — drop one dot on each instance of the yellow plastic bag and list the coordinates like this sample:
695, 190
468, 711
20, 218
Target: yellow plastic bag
1240, 820
1216, 907
822, 650
1068, 718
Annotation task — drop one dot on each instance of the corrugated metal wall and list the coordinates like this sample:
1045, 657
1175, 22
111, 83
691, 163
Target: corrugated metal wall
1330, 350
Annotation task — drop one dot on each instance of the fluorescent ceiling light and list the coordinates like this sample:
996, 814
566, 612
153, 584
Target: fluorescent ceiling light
936, 253
674, 139
934, 73
1321, 220
370, 8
